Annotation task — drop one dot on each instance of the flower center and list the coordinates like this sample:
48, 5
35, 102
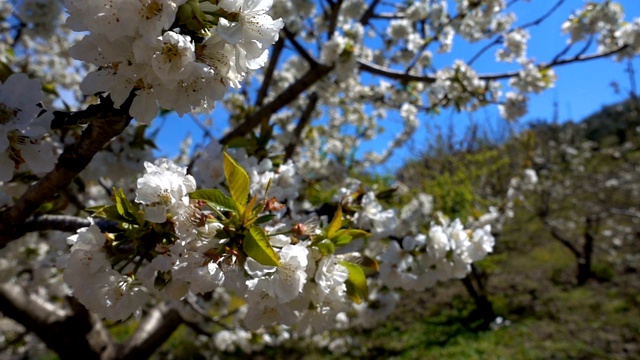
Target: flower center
151, 9
7, 114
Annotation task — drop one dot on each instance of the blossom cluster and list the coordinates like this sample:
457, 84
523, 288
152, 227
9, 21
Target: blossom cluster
194, 258
175, 247
448, 251
179, 55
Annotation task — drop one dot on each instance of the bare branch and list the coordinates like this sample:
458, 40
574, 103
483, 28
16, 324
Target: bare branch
271, 68
392, 74
299, 48
333, 20
287, 96
574, 59
542, 18
302, 123
369, 13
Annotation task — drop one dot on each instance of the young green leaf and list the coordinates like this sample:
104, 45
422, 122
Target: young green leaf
344, 236
257, 246
215, 198
124, 207
238, 182
264, 218
109, 212
336, 223
356, 283
326, 247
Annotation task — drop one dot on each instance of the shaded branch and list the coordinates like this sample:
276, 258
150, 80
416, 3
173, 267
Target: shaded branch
564, 241
152, 332
71, 336
65, 223
104, 124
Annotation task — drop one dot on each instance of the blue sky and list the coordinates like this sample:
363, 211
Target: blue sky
581, 89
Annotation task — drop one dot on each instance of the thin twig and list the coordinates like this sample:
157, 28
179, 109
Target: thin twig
302, 123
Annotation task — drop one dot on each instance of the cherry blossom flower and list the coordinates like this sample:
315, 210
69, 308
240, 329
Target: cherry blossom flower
21, 129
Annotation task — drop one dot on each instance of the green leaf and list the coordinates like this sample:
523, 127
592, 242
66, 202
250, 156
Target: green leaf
215, 198
240, 142
264, 218
342, 239
368, 265
257, 246
50, 89
344, 236
238, 182
124, 207
326, 247
356, 283
5, 72
386, 194
336, 223
109, 212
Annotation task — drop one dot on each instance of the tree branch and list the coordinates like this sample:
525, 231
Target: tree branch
369, 13
271, 68
577, 58
564, 241
302, 123
398, 75
71, 336
65, 223
105, 123
392, 74
287, 96
151, 333
299, 48
333, 20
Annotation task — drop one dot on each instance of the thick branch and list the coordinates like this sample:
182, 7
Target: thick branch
152, 332
333, 20
65, 223
68, 335
106, 124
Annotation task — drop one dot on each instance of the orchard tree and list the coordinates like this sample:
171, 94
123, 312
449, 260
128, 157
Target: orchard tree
585, 195
262, 234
